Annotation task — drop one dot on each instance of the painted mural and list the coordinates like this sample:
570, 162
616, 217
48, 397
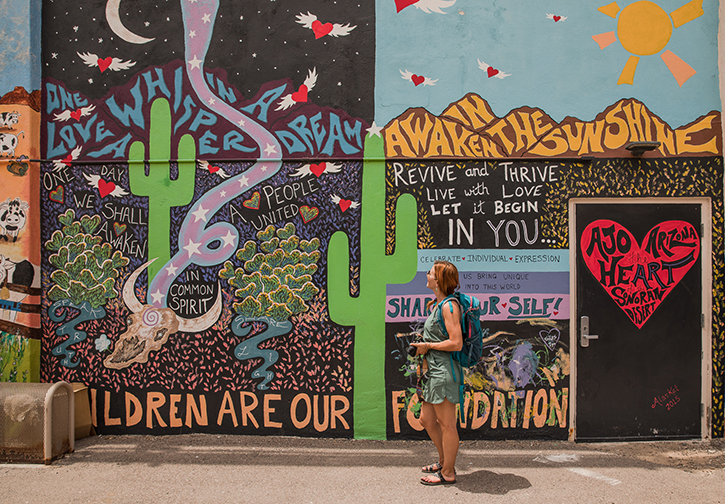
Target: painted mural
239, 203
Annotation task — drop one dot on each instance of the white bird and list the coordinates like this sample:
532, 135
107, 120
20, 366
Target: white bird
59, 164
556, 19
299, 96
433, 5
335, 30
316, 169
204, 165
344, 203
417, 79
114, 64
105, 188
492, 72
74, 114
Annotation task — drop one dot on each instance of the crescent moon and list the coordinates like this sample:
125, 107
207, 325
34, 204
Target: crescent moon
113, 18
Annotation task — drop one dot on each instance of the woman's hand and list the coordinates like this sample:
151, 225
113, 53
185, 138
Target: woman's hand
422, 348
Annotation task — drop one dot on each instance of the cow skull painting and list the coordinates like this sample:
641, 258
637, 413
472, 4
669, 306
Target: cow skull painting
149, 327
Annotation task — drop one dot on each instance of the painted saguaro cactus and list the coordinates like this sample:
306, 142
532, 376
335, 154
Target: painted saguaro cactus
367, 311
162, 192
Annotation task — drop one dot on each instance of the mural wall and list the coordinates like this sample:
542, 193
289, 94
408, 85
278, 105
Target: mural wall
239, 203
19, 193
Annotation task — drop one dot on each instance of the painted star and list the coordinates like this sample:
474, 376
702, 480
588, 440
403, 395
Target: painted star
211, 100
200, 213
374, 130
228, 239
270, 149
241, 122
222, 194
243, 181
195, 63
192, 34
171, 270
192, 248
206, 18
157, 297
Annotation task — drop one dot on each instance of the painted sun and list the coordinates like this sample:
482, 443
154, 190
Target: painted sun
644, 29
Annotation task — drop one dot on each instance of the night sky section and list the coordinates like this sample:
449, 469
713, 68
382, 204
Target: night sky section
255, 42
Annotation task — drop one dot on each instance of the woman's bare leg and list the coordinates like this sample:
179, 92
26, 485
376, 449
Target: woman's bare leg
429, 420
445, 414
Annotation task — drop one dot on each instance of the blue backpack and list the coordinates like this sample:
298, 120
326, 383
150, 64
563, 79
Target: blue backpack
470, 353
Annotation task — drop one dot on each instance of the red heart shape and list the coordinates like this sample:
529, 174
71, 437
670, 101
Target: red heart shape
317, 169
417, 79
301, 95
345, 204
56, 195
321, 29
308, 213
491, 71
253, 202
104, 63
504, 304
638, 278
557, 18
556, 312
402, 4
105, 188
76, 114
67, 160
213, 169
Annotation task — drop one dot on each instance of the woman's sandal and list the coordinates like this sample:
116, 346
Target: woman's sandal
441, 480
433, 468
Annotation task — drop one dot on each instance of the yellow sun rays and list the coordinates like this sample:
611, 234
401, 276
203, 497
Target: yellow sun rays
644, 29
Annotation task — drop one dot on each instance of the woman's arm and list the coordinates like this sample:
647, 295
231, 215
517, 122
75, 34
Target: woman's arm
452, 320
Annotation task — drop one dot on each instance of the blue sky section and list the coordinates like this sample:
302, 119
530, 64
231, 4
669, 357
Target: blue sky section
19, 45
555, 66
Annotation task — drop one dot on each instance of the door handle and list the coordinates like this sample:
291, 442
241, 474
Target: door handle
584, 335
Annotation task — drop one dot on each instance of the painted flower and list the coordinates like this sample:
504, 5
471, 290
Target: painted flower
103, 343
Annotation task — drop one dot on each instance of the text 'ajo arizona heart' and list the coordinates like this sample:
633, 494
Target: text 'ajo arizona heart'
639, 277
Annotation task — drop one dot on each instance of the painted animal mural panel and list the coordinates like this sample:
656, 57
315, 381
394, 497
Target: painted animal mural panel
240, 202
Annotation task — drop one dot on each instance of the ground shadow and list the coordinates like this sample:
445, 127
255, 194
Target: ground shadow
489, 482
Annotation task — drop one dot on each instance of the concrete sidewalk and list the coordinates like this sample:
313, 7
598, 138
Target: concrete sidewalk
208, 468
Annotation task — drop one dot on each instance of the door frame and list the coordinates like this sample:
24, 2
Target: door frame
706, 330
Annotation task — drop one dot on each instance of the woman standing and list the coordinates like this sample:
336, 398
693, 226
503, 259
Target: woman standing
440, 391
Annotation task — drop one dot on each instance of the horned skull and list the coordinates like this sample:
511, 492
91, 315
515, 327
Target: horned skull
149, 327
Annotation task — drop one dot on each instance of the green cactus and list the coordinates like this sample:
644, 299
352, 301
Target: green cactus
367, 311
162, 192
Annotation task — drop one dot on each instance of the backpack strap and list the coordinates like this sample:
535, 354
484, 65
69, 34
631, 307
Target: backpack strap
450, 300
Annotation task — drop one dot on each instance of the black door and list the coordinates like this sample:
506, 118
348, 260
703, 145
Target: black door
639, 281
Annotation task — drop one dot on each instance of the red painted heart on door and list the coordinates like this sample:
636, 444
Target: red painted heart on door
638, 277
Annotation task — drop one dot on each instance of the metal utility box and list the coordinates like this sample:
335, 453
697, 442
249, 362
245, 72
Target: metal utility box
36, 421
